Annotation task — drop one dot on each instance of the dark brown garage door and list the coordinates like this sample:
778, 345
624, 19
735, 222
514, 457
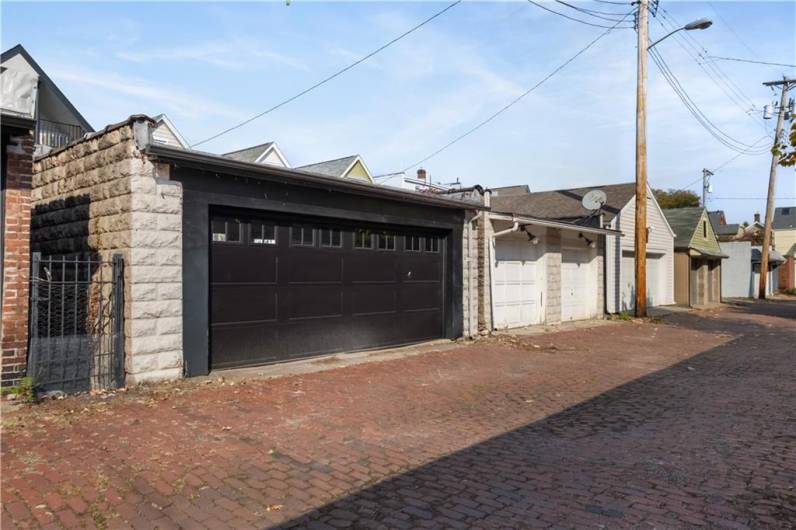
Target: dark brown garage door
284, 288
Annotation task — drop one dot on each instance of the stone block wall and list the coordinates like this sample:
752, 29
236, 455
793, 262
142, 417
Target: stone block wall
18, 155
469, 277
484, 239
553, 272
103, 196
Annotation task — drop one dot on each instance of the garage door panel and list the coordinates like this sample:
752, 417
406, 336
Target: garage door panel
421, 296
362, 266
579, 284
243, 303
305, 266
288, 297
227, 257
421, 268
242, 344
518, 284
314, 301
374, 299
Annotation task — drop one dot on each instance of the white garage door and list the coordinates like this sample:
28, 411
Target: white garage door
518, 281
656, 284
579, 284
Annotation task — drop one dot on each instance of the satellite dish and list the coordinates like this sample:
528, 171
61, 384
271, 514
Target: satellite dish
594, 200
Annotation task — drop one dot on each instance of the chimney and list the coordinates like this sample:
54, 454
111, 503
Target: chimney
421, 174
757, 215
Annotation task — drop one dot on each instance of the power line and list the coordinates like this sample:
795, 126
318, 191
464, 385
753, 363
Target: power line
750, 61
716, 75
615, 3
577, 19
611, 16
729, 27
515, 100
750, 198
332, 76
700, 116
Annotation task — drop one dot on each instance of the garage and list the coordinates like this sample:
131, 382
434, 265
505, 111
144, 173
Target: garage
579, 282
285, 287
656, 280
518, 283
281, 264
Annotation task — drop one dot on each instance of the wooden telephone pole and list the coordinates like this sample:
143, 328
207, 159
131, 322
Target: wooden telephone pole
641, 160
772, 178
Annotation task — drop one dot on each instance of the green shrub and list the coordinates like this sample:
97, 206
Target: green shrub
25, 390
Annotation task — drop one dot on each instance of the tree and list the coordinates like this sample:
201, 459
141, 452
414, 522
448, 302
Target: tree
787, 153
676, 198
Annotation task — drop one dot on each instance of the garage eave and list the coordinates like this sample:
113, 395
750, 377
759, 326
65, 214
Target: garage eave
536, 221
210, 162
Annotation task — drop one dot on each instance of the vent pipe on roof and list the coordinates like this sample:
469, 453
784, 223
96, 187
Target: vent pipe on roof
421, 174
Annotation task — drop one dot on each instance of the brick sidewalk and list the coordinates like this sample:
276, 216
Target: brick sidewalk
682, 424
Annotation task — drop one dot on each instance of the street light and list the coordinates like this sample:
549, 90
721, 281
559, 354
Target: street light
640, 243
700, 23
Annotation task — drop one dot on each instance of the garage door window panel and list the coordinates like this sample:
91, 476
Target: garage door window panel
431, 244
385, 241
226, 230
413, 243
262, 233
363, 239
330, 238
302, 236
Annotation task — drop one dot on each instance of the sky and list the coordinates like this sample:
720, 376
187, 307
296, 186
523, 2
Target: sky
210, 65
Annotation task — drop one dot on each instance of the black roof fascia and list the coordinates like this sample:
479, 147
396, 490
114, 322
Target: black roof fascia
19, 49
210, 162
17, 122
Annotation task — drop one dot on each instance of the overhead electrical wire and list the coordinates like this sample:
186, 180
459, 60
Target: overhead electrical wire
724, 138
515, 100
332, 76
702, 53
604, 15
724, 164
732, 30
716, 58
746, 105
615, 26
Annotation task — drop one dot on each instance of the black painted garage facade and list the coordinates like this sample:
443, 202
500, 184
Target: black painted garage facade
280, 264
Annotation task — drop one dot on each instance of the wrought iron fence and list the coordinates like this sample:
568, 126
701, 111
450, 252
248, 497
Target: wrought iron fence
76, 323
56, 134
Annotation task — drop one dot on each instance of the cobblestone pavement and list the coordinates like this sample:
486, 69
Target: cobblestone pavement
689, 422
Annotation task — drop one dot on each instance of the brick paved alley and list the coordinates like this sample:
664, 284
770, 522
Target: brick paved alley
687, 422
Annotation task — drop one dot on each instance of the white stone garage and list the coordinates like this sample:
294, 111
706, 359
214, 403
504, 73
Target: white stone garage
544, 272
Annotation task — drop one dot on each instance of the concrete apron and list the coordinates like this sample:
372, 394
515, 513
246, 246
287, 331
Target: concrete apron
328, 362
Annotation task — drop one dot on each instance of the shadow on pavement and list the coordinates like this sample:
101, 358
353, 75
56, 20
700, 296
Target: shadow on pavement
710, 441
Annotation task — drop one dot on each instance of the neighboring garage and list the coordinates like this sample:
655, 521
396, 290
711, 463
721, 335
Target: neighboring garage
543, 271
284, 287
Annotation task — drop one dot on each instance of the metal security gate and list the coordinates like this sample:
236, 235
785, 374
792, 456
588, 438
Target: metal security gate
76, 323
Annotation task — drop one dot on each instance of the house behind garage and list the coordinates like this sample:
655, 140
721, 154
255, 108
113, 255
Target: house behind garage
232, 263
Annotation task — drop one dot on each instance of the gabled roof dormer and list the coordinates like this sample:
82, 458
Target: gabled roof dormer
167, 134
267, 153
352, 167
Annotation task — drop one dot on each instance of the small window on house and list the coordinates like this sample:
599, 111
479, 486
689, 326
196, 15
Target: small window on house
331, 237
385, 241
412, 243
226, 230
704, 229
431, 244
786, 211
302, 236
363, 238
262, 233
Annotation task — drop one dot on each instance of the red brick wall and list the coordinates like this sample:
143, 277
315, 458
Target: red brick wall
16, 257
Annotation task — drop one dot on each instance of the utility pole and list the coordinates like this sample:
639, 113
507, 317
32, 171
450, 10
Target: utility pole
772, 178
641, 159
706, 174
